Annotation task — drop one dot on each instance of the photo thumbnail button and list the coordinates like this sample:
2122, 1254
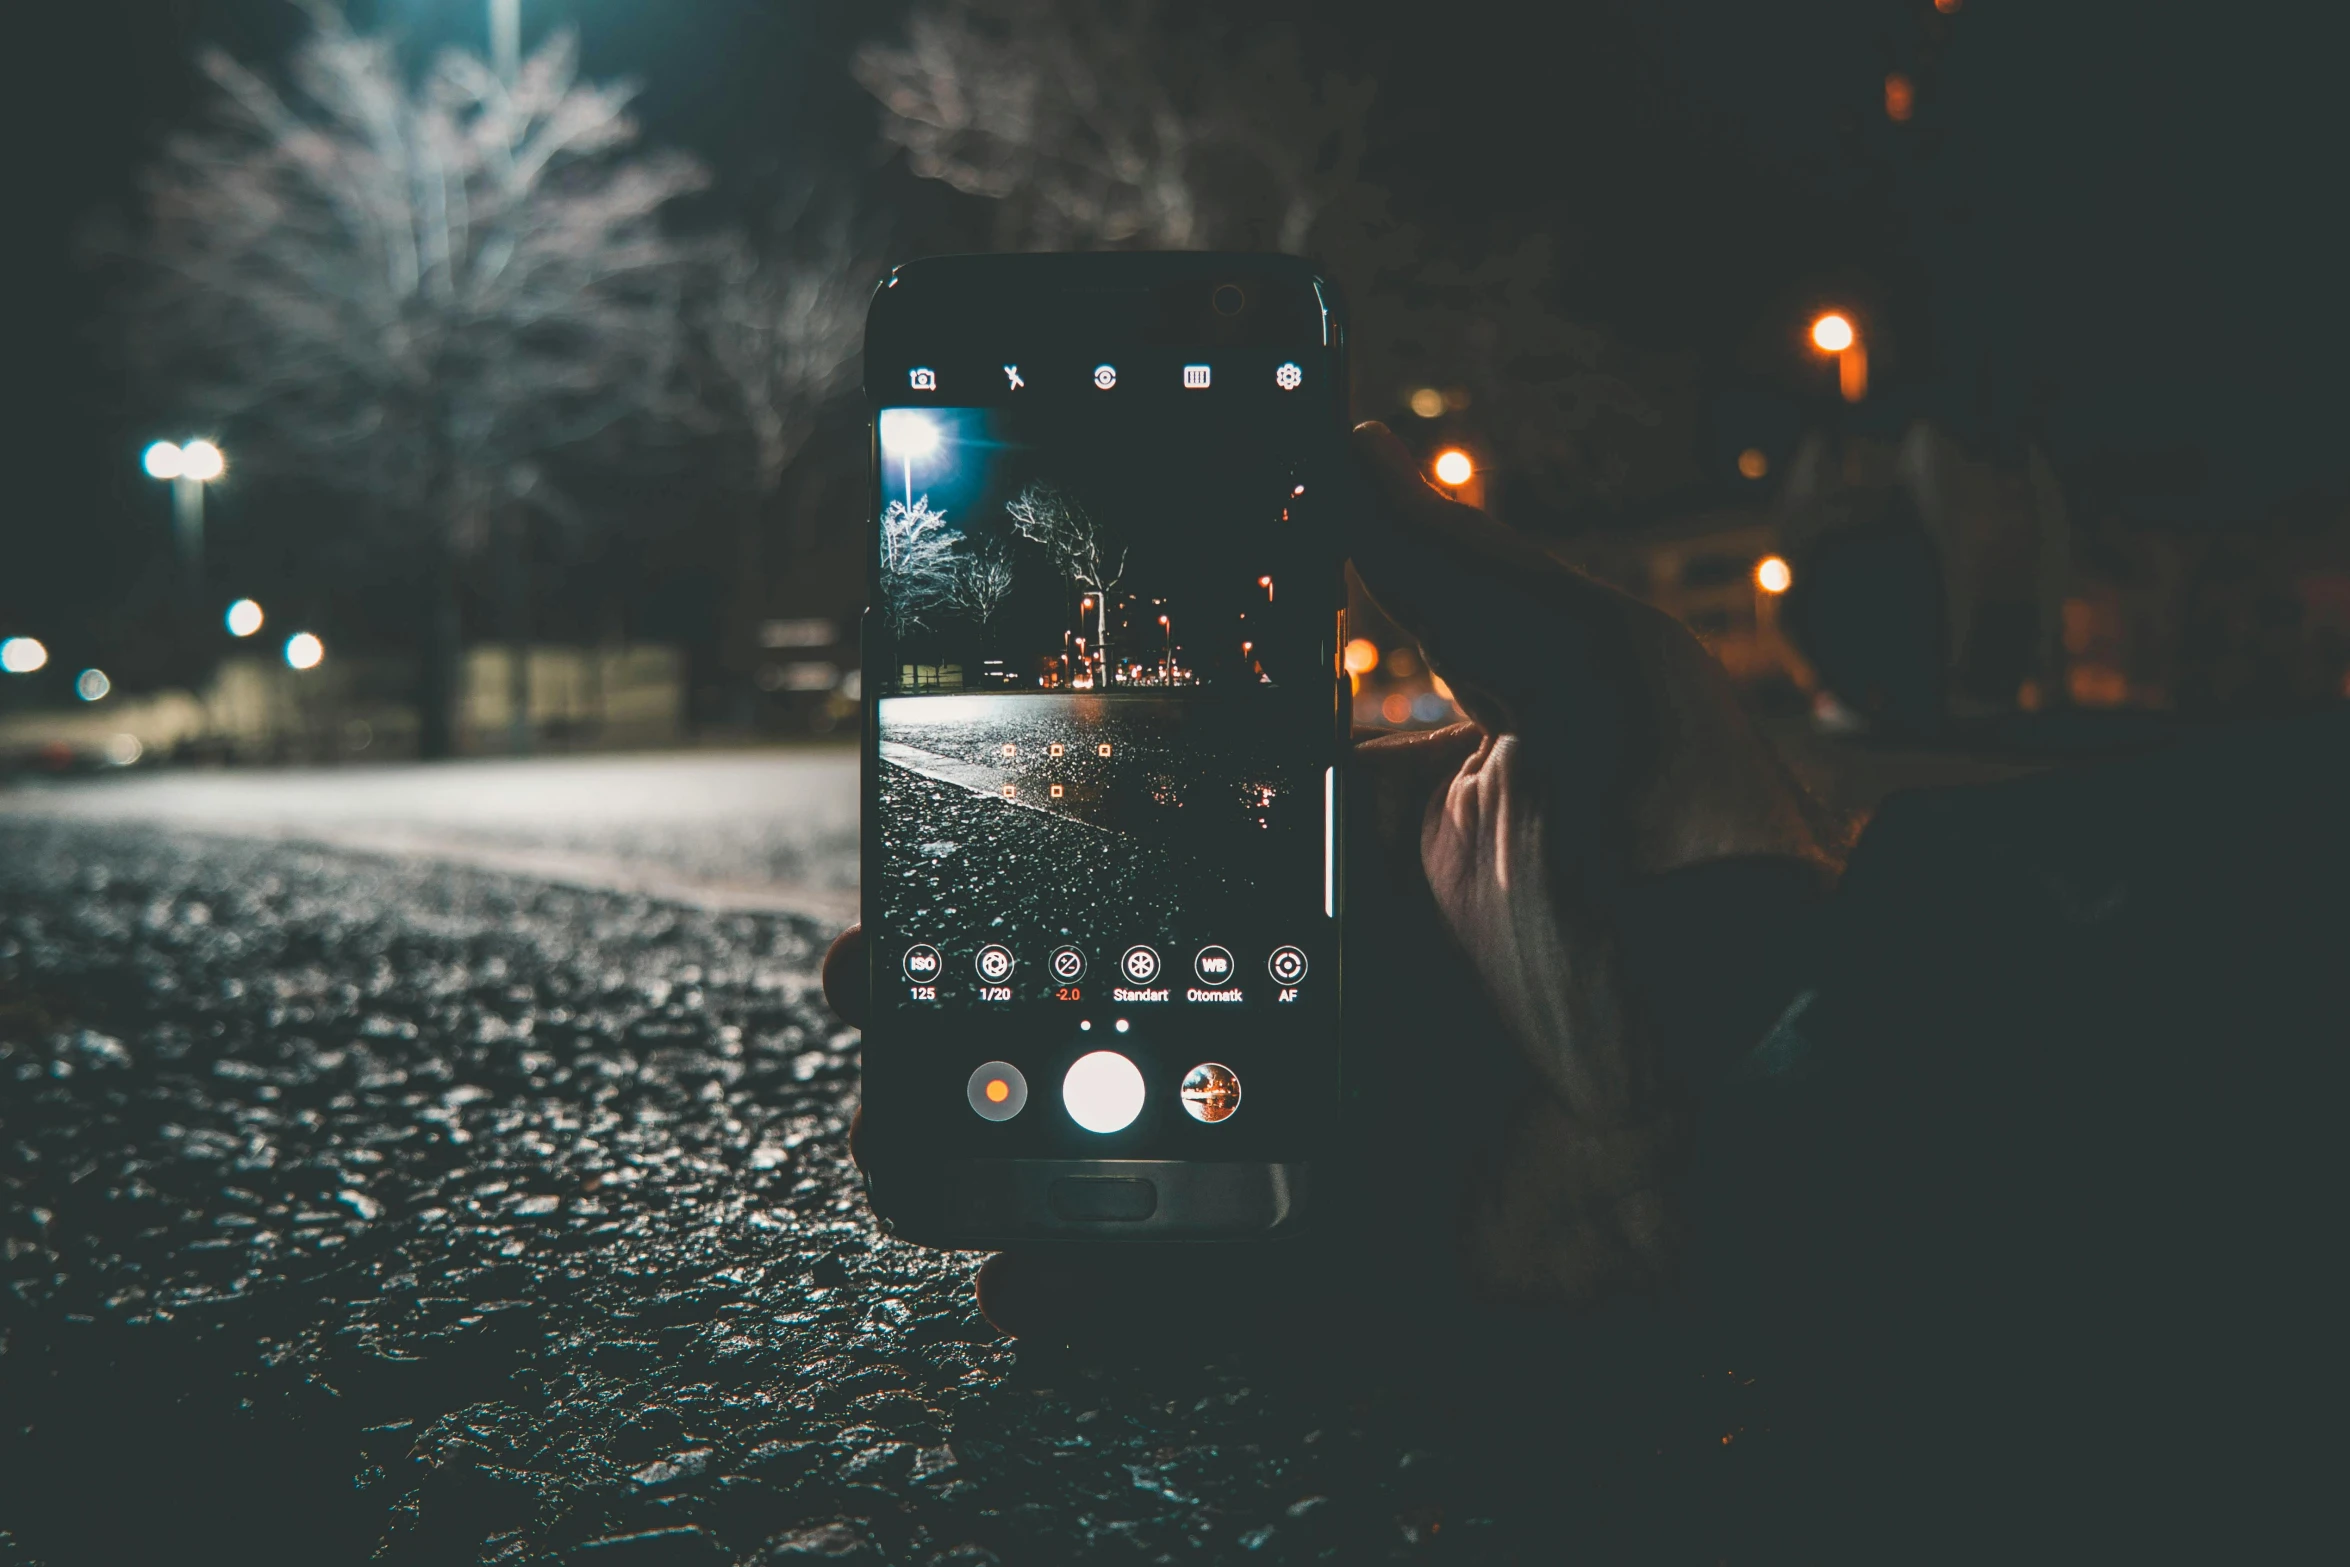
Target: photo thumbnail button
994, 963
923, 964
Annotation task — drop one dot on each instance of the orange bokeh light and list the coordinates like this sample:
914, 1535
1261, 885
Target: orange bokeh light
1832, 333
1396, 709
1948, 7
1901, 97
1362, 656
1773, 575
998, 1090
1453, 467
1752, 462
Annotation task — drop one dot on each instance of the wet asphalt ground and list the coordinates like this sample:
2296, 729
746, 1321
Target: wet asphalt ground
360, 1207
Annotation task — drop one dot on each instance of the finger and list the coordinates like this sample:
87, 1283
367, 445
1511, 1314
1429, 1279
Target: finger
845, 983
1506, 625
1397, 774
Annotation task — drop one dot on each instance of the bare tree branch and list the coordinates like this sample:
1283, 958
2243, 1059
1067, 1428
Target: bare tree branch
411, 290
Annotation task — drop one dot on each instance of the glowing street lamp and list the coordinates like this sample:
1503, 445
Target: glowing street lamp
91, 685
1773, 575
907, 434
188, 468
243, 618
1833, 333
1453, 468
304, 651
22, 655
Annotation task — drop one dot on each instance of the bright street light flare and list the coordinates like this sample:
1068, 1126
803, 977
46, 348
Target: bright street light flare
91, 685
243, 618
1773, 575
22, 655
303, 651
202, 462
1362, 656
1832, 333
1454, 468
163, 460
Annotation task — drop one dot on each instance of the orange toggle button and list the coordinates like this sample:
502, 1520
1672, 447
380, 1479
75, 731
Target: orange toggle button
997, 1091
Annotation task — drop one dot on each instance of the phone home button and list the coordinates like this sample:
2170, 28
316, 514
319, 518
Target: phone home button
1094, 1197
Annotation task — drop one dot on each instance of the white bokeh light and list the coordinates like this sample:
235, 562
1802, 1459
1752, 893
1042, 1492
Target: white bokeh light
91, 685
163, 460
1103, 1091
202, 462
303, 651
22, 655
244, 618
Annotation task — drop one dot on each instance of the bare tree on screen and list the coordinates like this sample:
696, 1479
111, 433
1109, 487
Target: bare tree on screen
1051, 517
414, 290
983, 579
919, 556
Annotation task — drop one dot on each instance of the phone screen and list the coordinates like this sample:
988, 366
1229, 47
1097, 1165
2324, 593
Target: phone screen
1102, 887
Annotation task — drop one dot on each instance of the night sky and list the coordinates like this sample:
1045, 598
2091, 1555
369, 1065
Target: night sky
2118, 221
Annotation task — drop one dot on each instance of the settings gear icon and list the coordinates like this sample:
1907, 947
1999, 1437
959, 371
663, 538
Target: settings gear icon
1288, 377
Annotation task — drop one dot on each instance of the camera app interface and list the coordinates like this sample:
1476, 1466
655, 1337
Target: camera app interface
1105, 731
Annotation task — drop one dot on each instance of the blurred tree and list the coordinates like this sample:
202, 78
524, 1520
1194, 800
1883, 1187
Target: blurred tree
779, 332
1109, 125
413, 291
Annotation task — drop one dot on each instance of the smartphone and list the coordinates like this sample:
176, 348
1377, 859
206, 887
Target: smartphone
1104, 717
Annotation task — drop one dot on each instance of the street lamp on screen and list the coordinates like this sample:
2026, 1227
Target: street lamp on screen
1454, 468
303, 651
243, 618
1831, 333
905, 436
22, 655
1772, 575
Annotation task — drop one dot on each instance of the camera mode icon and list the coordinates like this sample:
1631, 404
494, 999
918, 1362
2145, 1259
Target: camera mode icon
922, 379
922, 963
1140, 965
1287, 965
994, 963
1214, 966
1067, 964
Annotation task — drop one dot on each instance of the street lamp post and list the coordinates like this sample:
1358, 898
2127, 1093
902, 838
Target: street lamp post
188, 468
506, 38
1833, 334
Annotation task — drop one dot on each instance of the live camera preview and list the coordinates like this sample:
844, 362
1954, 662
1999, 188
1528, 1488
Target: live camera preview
1106, 687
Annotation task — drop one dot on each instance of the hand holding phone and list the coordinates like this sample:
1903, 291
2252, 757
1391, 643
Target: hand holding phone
1565, 1210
